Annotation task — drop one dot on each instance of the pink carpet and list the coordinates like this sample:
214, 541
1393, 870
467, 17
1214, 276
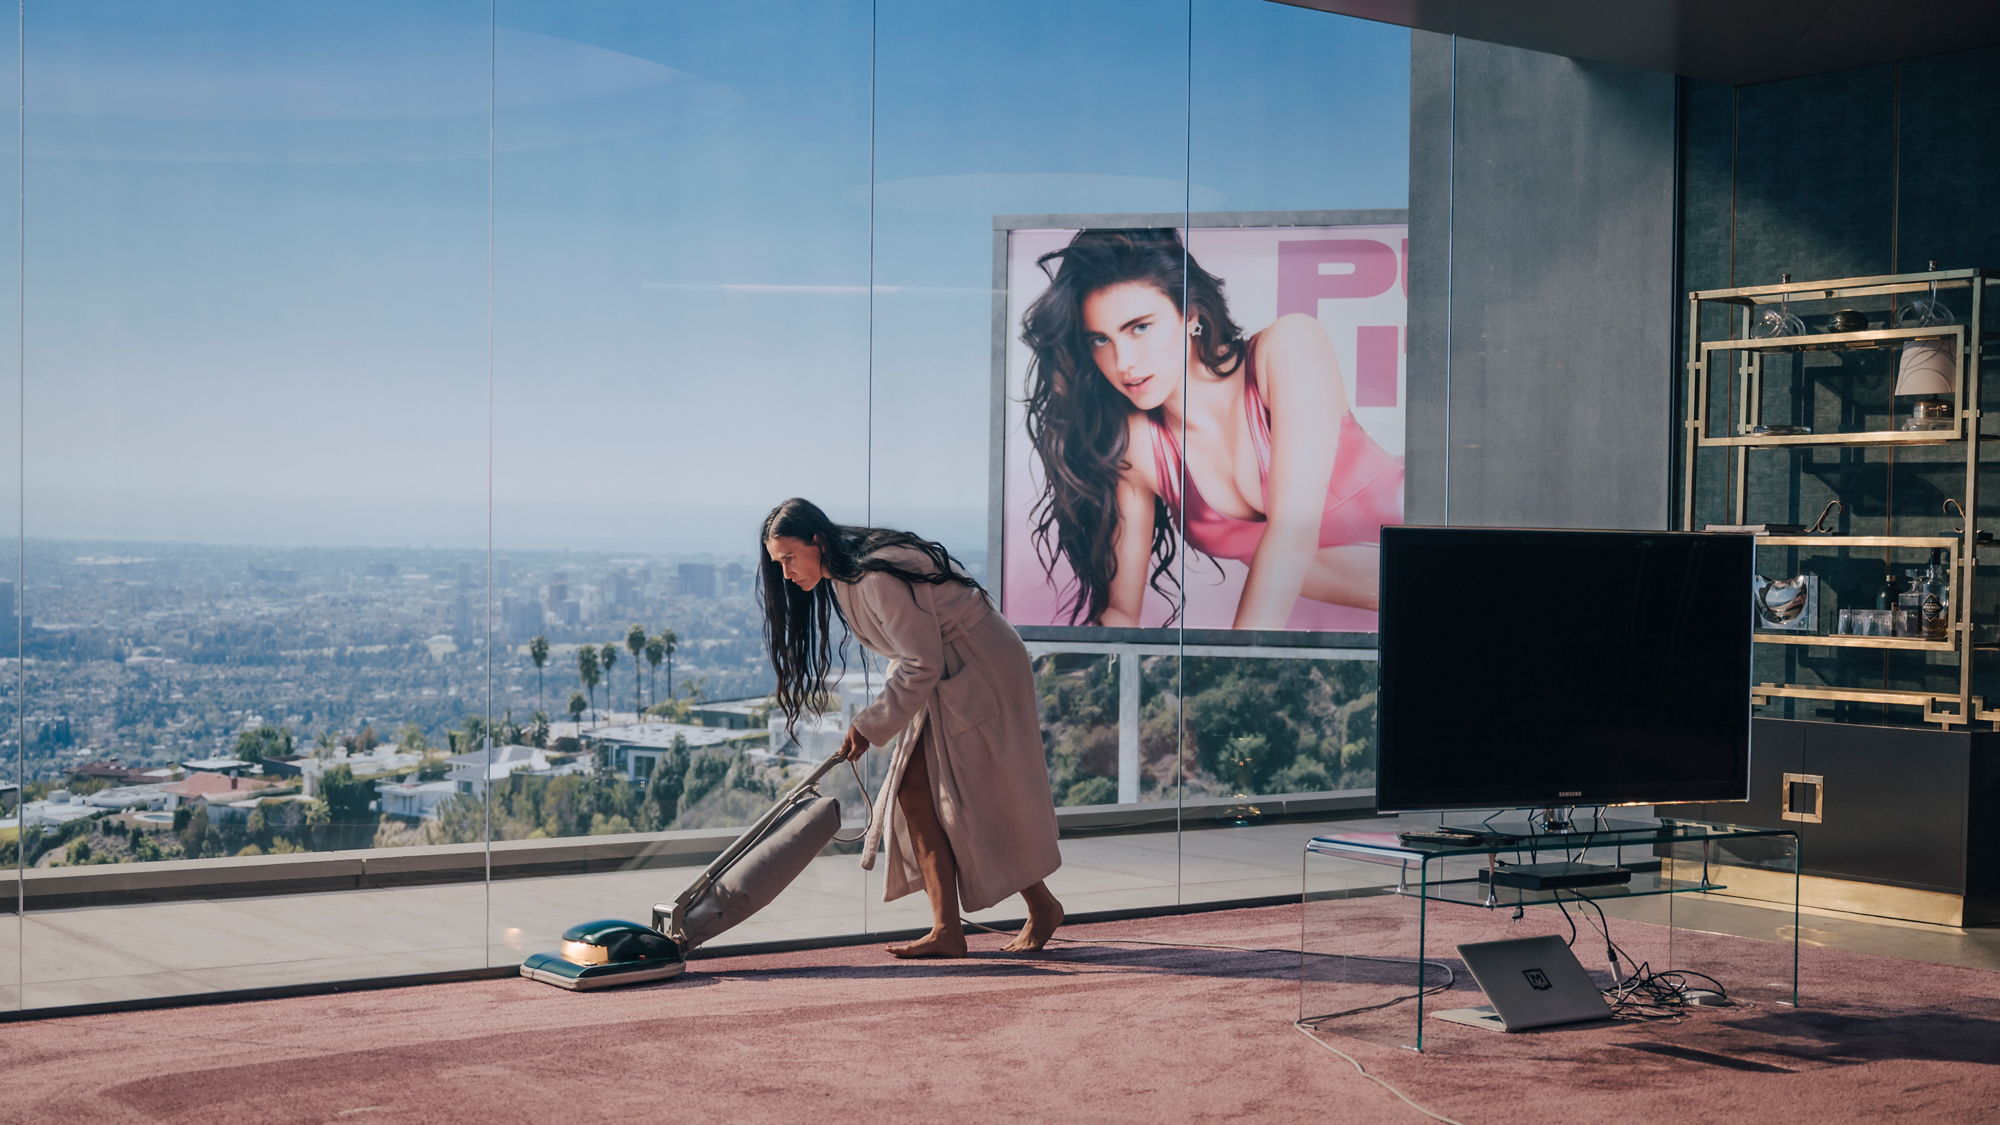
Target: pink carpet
1085, 1033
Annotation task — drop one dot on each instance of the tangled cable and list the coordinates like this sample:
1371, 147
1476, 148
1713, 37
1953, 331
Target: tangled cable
1644, 995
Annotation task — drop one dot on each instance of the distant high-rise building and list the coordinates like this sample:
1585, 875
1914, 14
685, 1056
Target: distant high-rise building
465, 575
570, 612
464, 623
697, 580
10, 622
622, 590
736, 579
522, 618
558, 590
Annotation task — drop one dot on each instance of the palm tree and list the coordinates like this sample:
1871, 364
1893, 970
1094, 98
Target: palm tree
576, 707
586, 670
635, 641
669, 642
607, 656
538, 651
656, 651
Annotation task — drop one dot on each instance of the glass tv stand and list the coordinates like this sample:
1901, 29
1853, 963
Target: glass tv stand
1375, 956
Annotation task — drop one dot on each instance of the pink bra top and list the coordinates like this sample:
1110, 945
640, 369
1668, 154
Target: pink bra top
1365, 492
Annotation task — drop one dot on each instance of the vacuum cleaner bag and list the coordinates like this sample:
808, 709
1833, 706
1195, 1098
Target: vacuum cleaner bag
760, 873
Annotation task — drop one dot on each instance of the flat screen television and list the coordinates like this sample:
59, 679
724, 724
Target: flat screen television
1531, 668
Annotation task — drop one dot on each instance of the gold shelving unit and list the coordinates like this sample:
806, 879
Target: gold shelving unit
1706, 360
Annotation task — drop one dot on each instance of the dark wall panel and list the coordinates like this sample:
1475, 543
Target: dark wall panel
1554, 377
1948, 153
1867, 171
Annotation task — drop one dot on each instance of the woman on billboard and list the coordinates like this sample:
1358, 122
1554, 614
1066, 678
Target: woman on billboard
1133, 348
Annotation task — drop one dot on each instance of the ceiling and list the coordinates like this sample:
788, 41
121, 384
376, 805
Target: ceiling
1737, 42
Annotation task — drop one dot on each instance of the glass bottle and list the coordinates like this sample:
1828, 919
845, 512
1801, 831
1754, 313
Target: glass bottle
1910, 607
1936, 602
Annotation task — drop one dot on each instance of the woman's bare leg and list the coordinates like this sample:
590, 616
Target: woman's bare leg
934, 859
1044, 915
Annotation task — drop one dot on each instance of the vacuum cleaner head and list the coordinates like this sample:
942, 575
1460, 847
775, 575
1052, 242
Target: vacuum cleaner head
606, 953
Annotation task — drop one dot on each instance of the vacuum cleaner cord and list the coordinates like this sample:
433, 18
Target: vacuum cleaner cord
866, 799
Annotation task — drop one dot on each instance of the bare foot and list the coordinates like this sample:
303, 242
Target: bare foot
938, 944
1044, 915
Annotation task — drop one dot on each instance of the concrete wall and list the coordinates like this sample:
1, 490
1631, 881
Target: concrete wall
1542, 289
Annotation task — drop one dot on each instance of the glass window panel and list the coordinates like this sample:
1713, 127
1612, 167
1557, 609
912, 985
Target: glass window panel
1000, 130
681, 230
256, 396
1299, 123
13, 774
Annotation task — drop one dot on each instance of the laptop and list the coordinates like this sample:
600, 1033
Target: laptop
1531, 982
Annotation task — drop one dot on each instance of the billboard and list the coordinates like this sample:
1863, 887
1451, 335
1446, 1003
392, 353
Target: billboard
1202, 423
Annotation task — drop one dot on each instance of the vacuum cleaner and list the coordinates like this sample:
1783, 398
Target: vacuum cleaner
762, 862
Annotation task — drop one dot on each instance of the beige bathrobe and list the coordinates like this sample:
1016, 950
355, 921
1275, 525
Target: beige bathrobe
960, 686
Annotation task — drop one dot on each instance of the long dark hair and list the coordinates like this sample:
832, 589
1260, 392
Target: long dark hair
1077, 421
798, 624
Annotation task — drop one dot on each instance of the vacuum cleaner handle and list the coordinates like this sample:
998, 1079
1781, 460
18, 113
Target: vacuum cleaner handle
744, 842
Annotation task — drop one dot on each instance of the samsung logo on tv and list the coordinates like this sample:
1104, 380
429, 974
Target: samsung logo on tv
1573, 793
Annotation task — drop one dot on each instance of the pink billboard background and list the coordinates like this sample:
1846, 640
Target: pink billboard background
1353, 279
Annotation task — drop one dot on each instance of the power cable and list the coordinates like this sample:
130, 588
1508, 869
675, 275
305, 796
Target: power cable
1363, 1071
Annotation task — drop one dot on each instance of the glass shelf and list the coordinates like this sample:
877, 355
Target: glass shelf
1834, 341
1646, 881
1859, 437
1852, 640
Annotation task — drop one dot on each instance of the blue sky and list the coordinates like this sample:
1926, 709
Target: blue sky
256, 246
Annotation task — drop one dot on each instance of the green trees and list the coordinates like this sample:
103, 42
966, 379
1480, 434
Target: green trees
586, 670
266, 741
607, 656
1218, 726
470, 738
576, 706
635, 642
669, 641
656, 651
347, 799
538, 651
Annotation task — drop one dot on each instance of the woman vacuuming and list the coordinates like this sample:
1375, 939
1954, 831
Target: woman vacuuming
971, 820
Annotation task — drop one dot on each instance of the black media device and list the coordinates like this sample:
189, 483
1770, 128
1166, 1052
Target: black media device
1542, 669
1555, 876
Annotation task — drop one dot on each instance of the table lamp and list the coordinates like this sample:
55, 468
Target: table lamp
1928, 370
